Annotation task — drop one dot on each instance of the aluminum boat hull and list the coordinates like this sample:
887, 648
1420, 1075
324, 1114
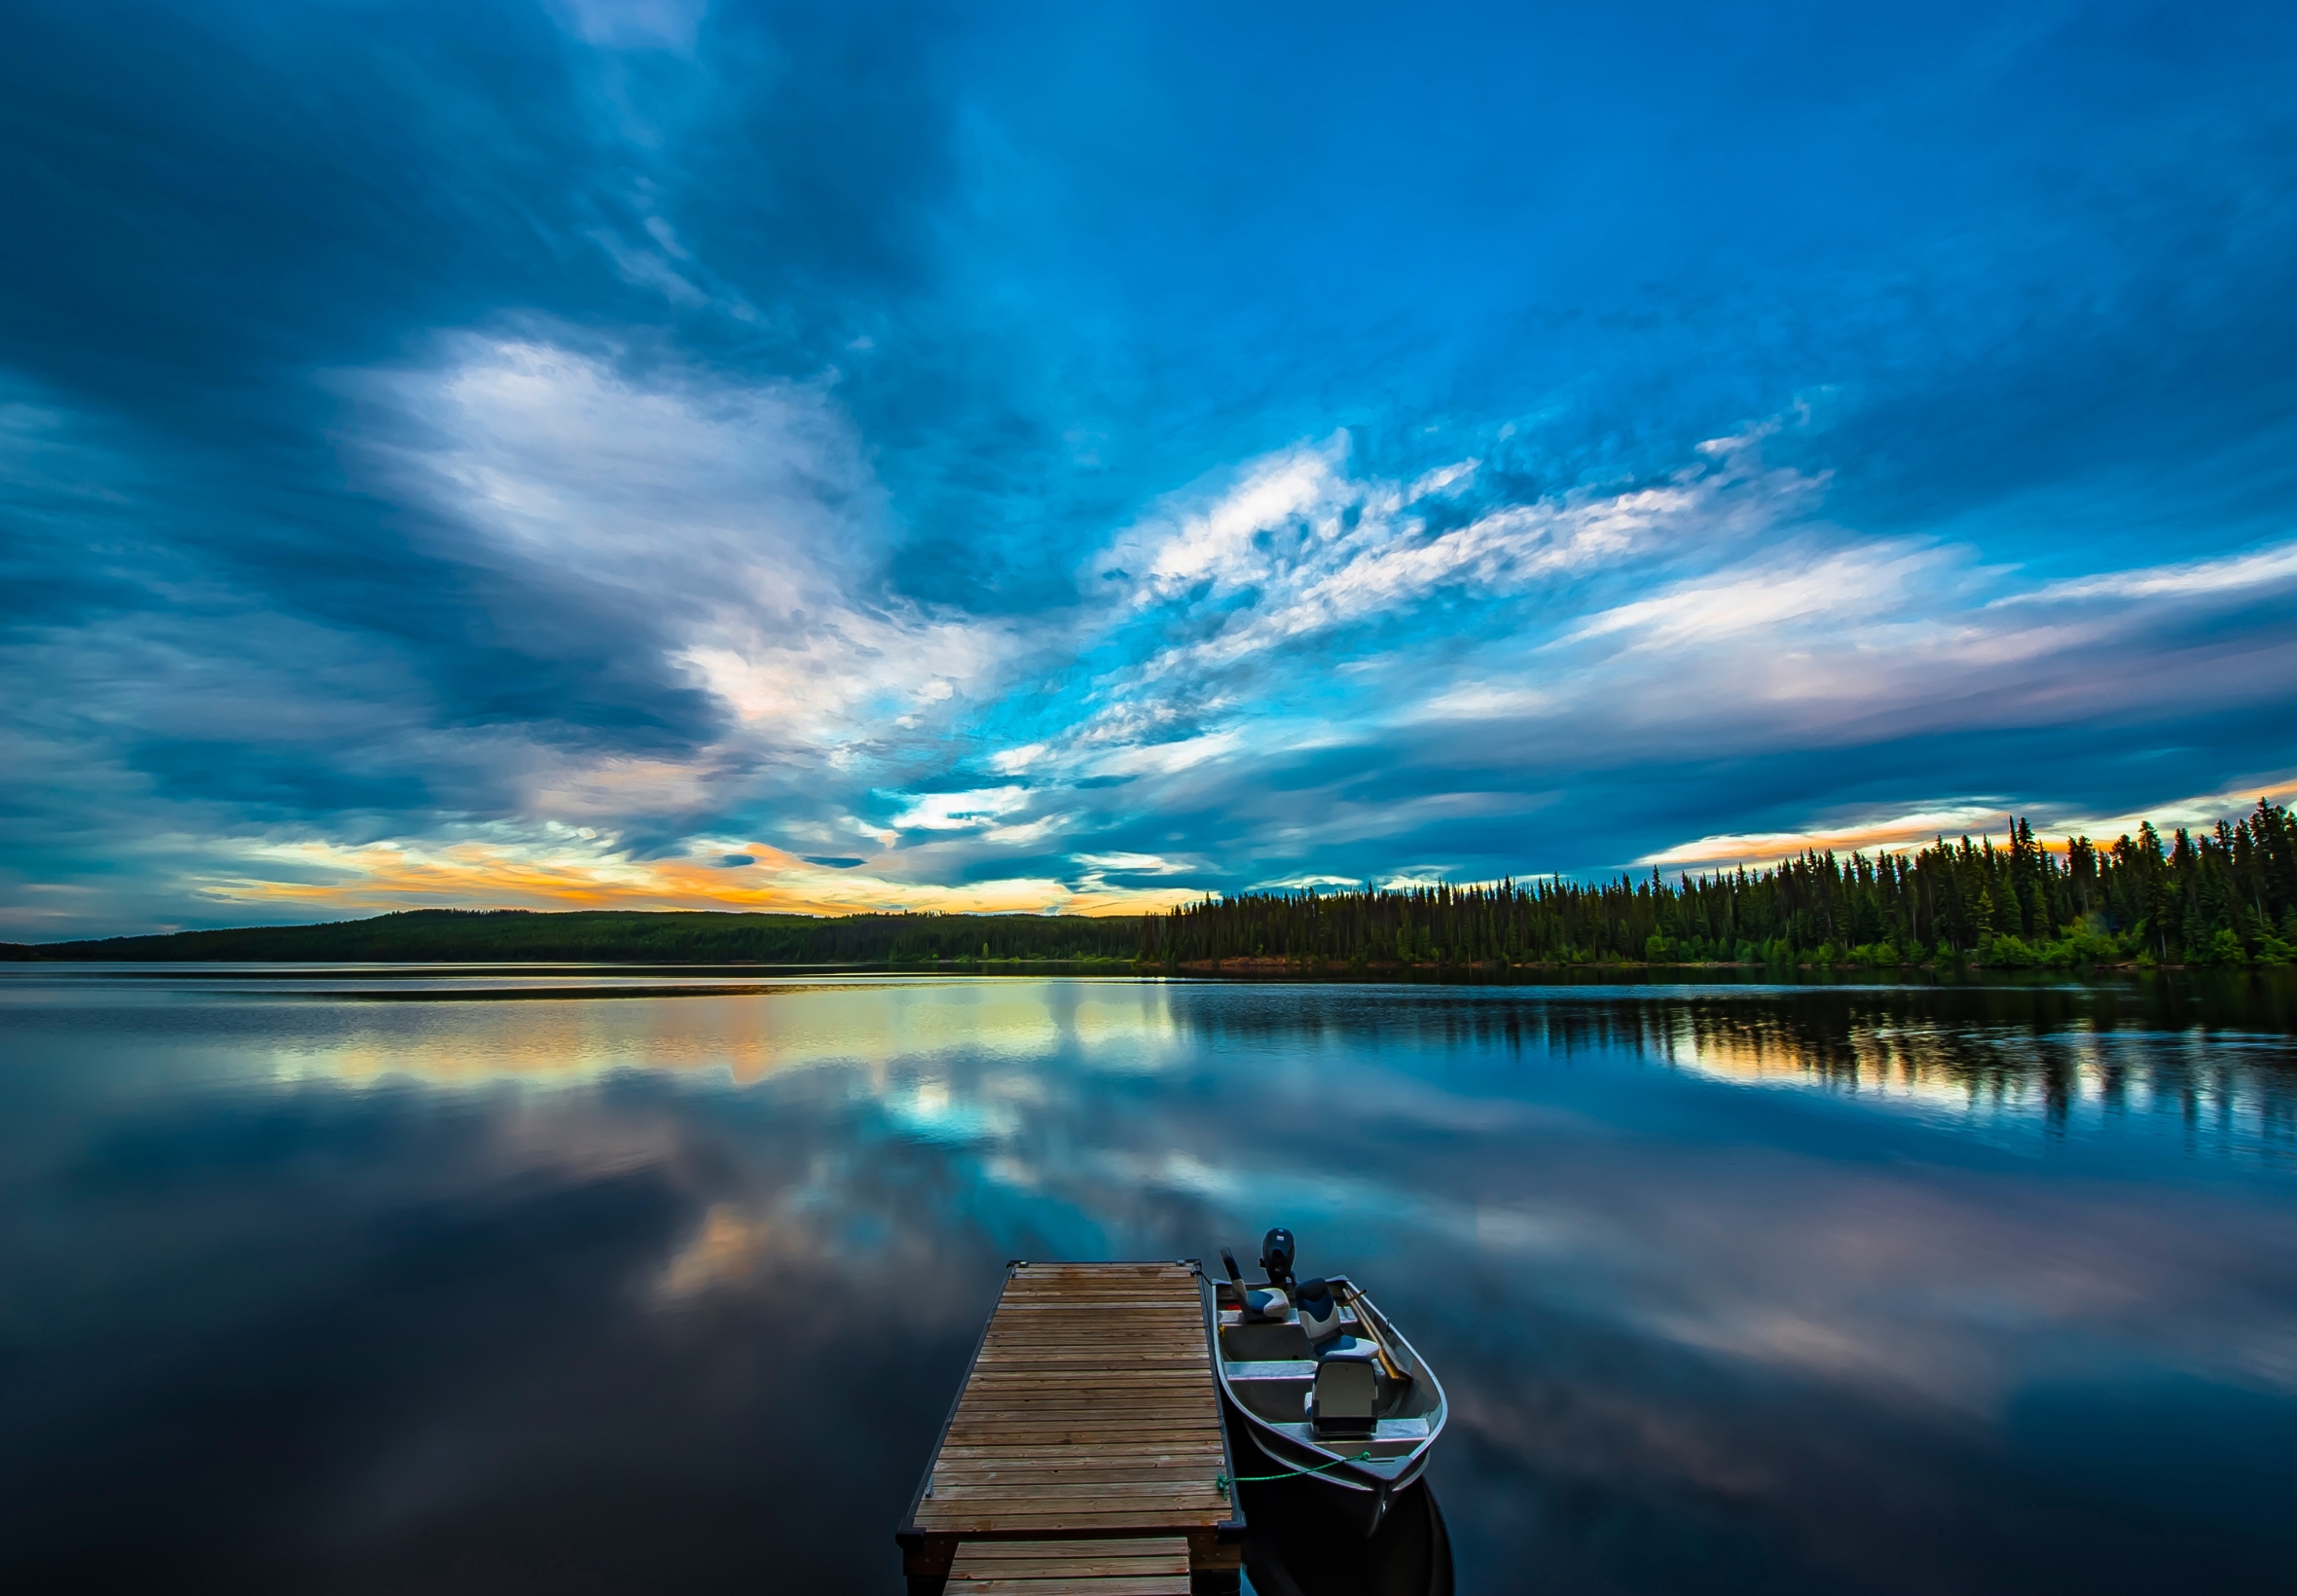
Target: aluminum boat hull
1402, 1444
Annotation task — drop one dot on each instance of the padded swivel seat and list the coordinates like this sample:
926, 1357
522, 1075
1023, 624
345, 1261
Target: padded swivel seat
1344, 1401
1345, 1398
1319, 1310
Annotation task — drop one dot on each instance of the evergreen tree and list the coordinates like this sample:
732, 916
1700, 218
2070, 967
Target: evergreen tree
2228, 894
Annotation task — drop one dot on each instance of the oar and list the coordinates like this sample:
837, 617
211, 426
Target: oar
1379, 1342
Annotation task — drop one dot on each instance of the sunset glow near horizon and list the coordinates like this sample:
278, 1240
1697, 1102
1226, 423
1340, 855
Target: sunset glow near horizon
653, 454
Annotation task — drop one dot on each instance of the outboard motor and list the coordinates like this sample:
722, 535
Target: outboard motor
1276, 1258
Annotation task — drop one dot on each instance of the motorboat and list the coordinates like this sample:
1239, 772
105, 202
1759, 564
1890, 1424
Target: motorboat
1323, 1382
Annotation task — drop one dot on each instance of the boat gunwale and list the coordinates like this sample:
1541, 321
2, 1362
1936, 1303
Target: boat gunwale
1330, 1467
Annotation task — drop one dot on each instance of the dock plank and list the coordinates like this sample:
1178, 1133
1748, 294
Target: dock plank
1143, 1567
1084, 1456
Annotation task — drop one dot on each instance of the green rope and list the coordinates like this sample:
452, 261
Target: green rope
1224, 1482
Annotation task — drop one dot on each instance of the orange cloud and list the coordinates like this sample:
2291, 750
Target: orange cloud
1917, 829
379, 877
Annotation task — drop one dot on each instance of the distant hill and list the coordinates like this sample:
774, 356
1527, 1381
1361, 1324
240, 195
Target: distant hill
621, 936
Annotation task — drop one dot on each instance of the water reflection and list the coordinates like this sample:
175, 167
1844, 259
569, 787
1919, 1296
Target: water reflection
339, 1279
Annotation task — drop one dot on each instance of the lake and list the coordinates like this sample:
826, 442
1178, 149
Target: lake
469, 1280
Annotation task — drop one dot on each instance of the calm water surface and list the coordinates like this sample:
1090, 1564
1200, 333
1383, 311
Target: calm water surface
347, 1281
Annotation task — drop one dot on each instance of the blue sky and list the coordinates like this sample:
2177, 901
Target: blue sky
663, 453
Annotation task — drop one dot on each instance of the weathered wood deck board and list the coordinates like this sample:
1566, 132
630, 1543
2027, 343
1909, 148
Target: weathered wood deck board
1086, 1453
1072, 1568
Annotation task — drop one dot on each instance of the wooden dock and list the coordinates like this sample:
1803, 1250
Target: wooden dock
1084, 1455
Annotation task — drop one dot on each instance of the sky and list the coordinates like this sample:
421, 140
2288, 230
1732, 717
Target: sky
664, 454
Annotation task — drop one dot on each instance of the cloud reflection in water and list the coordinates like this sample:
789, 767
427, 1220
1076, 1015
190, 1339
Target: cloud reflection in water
1825, 1289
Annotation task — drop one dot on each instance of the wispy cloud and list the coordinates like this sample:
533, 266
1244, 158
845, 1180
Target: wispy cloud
563, 869
734, 541
1892, 832
1978, 817
634, 24
719, 430
2255, 572
959, 811
725, 538
1132, 864
1766, 601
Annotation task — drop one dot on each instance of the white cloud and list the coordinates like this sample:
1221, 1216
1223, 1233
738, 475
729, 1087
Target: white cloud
1027, 835
960, 811
634, 24
644, 269
1297, 606
1777, 598
1441, 480
1015, 761
663, 233
2229, 574
732, 538
1414, 879
1973, 817
1485, 700
740, 526
1167, 758
1915, 829
1130, 864
1316, 549
1215, 587
1219, 544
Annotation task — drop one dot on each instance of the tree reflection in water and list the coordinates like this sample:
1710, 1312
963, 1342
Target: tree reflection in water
1817, 1287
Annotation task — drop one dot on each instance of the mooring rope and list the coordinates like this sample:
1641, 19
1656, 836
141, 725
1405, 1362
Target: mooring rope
1289, 1472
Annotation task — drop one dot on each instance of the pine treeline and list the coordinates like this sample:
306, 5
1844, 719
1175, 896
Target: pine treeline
2226, 897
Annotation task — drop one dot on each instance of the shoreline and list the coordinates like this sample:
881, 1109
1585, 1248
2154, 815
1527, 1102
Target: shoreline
1264, 965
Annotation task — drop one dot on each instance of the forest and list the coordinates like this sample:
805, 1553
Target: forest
2225, 897
2222, 896
609, 936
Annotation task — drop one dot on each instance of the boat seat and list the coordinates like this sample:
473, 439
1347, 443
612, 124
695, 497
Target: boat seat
1344, 1401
